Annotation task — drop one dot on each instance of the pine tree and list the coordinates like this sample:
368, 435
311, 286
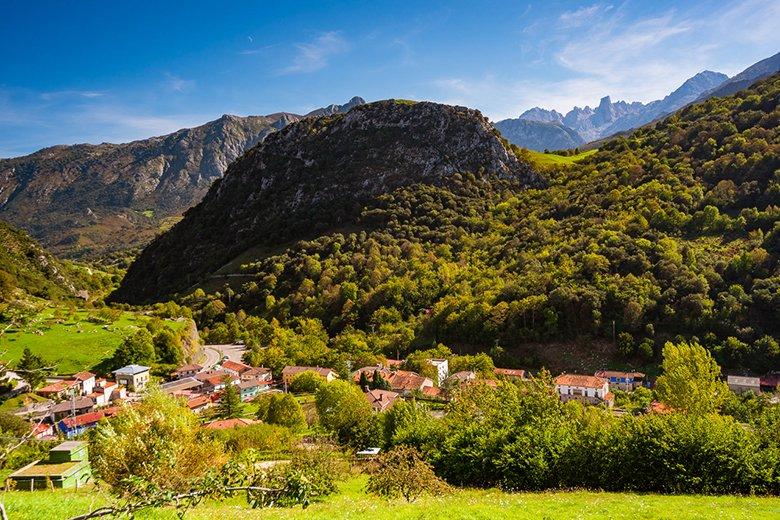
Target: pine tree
364, 382
379, 382
230, 406
32, 369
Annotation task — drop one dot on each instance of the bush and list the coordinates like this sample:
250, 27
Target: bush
281, 409
402, 472
261, 437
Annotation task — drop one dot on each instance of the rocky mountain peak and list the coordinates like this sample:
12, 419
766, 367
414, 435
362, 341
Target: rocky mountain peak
317, 175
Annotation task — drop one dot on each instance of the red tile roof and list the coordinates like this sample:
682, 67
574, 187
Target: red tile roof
579, 380
510, 372
57, 387
188, 368
83, 376
235, 366
90, 417
616, 373
381, 400
197, 402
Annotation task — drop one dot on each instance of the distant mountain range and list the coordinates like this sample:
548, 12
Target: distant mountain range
90, 199
553, 130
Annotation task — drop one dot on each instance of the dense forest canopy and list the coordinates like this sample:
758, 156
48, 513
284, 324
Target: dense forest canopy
671, 231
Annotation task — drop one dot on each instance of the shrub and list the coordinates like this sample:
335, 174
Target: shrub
402, 472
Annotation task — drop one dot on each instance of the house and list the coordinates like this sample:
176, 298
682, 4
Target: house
381, 400
199, 403
442, 367
73, 406
134, 377
289, 372
401, 381
405, 382
75, 426
743, 384
626, 381
66, 467
179, 386
251, 388
60, 389
235, 368
104, 392
85, 381
460, 378
227, 424
589, 389
510, 373
215, 380
261, 373
43, 431
186, 371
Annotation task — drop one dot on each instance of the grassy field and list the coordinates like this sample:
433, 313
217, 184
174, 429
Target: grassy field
551, 159
353, 503
69, 340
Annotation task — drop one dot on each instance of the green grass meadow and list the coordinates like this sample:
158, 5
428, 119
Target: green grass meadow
69, 340
551, 159
353, 503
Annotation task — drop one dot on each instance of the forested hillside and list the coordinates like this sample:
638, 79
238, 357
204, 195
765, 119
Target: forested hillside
27, 269
670, 231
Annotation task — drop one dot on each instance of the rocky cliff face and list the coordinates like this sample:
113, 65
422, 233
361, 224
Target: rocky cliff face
316, 176
86, 198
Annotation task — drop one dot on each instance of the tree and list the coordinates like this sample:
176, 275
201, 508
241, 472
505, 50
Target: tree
364, 383
402, 472
137, 349
690, 381
157, 443
32, 369
378, 382
230, 405
306, 382
343, 409
281, 409
7, 286
168, 348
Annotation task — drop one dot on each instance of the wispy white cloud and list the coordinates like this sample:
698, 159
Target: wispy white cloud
581, 16
62, 94
628, 58
178, 84
315, 55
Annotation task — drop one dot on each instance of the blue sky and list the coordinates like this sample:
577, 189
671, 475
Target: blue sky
84, 71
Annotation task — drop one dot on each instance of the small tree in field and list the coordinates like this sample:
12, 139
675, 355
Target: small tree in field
402, 472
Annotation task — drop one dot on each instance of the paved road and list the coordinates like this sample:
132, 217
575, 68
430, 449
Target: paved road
214, 354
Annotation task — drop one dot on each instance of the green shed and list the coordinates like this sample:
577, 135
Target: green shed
66, 467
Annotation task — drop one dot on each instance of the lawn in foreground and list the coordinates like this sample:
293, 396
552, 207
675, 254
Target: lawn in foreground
70, 341
353, 503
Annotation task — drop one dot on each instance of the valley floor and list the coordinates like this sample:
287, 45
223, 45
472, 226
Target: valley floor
353, 503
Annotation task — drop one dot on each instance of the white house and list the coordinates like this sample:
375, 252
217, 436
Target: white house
589, 389
134, 377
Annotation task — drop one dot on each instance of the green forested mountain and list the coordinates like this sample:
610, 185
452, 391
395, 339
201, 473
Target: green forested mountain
670, 231
27, 268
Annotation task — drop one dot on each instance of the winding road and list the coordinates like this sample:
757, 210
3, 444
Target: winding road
214, 354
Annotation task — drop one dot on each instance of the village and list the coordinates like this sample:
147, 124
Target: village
72, 405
